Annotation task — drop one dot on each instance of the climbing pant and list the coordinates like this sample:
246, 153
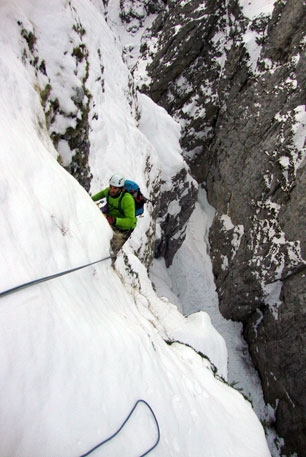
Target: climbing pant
119, 238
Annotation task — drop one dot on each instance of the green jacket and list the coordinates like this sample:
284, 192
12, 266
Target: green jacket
121, 207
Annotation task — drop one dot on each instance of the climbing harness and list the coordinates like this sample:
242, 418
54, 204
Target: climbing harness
47, 278
123, 424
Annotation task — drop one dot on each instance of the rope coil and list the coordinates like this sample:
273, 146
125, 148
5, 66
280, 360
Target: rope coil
57, 275
121, 427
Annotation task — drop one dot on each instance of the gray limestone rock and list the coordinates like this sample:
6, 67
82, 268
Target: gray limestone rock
242, 122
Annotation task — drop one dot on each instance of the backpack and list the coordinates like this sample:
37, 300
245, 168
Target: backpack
132, 188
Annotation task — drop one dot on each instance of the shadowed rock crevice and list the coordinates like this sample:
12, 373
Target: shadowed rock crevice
238, 89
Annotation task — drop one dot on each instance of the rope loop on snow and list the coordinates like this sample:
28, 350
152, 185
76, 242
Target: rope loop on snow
47, 278
123, 424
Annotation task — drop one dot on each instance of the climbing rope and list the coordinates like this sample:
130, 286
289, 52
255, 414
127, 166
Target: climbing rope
57, 275
123, 424
47, 278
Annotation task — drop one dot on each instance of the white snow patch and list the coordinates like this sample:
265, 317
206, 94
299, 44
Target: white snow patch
254, 8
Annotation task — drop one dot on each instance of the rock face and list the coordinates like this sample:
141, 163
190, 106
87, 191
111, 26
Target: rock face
73, 138
237, 85
173, 226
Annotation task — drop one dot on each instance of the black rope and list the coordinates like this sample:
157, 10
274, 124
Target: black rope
47, 278
123, 424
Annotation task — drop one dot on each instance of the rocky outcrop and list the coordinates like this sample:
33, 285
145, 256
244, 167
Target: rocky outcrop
237, 85
183, 194
68, 128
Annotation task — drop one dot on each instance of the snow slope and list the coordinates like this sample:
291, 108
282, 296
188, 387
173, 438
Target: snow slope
78, 351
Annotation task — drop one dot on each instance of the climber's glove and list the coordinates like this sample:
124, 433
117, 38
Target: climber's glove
111, 219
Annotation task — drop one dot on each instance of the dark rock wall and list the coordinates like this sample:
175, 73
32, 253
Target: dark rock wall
173, 226
243, 123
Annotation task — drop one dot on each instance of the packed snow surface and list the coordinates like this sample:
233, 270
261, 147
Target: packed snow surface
77, 352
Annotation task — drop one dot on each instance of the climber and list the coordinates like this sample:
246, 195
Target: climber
119, 210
